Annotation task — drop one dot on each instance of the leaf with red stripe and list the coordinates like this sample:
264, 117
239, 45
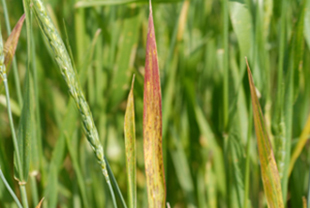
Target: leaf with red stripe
152, 123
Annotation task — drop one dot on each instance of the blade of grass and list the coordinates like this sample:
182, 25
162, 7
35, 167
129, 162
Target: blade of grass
40, 203
126, 54
291, 91
308, 195
15, 70
20, 167
300, 145
270, 174
278, 125
25, 131
247, 162
79, 176
130, 145
225, 63
7, 185
152, 123
182, 168
236, 165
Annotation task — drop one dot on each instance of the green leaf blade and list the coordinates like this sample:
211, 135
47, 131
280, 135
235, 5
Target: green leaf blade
25, 131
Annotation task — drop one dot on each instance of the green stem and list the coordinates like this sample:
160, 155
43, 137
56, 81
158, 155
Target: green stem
118, 191
308, 200
15, 143
7, 185
14, 63
247, 164
34, 189
23, 194
225, 78
112, 194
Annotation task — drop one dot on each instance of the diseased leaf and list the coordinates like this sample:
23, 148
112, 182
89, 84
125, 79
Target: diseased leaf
152, 124
130, 144
11, 43
270, 174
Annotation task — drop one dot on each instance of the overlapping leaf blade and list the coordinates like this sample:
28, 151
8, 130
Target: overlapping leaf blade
25, 130
270, 174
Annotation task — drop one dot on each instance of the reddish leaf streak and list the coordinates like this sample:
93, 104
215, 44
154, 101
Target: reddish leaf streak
152, 123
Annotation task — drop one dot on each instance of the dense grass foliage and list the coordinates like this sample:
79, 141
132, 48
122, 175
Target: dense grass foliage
212, 155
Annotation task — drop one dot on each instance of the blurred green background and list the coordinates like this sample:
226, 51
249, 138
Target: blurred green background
209, 142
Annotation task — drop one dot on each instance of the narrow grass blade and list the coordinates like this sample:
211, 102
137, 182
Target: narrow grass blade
40, 203
242, 24
225, 63
25, 130
299, 49
270, 174
182, 168
236, 164
78, 172
292, 90
7, 185
241, 20
300, 145
308, 195
130, 144
152, 123
126, 55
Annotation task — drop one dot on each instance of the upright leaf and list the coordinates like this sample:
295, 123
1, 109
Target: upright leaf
130, 144
152, 124
25, 130
126, 55
270, 174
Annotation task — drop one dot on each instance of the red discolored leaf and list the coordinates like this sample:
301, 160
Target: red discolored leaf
11, 43
152, 124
